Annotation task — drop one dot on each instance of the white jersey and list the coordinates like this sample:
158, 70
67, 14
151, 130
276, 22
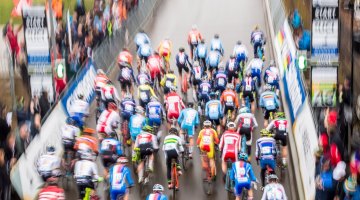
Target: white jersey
69, 132
173, 142
248, 119
86, 168
240, 49
255, 63
274, 191
79, 106
108, 121
49, 163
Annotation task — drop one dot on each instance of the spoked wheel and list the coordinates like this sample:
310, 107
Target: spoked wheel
207, 182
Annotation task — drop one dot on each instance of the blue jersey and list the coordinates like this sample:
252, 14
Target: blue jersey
248, 84
216, 45
144, 50
213, 59
271, 77
154, 110
232, 66
141, 38
120, 179
188, 118
269, 100
135, 125
242, 172
201, 51
265, 148
204, 88
220, 78
110, 146
156, 196
127, 108
197, 73
213, 110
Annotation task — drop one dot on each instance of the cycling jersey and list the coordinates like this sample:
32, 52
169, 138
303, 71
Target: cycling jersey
174, 105
279, 124
201, 51
136, 123
216, 45
274, 191
194, 37
126, 75
125, 58
140, 39
85, 170
246, 121
120, 179
173, 142
146, 142
196, 73
266, 152
240, 52
188, 120
142, 78
127, 108
49, 165
242, 174
145, 91
79, 108
108, 121
165, 48
255, 66
69, 132
206, 141
100, 81
154, 112
109, 92
168, 81
182, 61
156, 196
154, 66
230, 144
203, 91
248, 85
271, 76
213, 110
269, 101
220, 80
51, 192
110, 149
229, 99
232, 67
213, 59
85, 142
144, 51
257, 37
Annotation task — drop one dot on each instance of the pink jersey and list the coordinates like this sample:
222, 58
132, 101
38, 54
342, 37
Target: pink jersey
108, 92
280, 124
108, 121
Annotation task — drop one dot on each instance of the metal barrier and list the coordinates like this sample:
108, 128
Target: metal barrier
278, 13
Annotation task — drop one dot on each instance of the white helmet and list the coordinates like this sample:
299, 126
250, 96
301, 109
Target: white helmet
194, 27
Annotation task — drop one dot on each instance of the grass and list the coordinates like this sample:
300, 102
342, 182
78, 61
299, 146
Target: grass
6, 7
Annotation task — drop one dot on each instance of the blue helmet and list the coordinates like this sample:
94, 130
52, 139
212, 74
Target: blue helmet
244, 109
70, 121
243, 156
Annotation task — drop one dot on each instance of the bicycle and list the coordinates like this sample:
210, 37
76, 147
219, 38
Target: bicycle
186, 154
280, 167
145, 184
206, 174
229, 184
68, 157
90, 194
174, 178
126, 139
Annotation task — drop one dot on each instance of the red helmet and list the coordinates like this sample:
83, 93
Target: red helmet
332, 118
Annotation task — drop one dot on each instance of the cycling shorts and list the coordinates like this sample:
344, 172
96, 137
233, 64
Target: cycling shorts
210, 154
154, 72
231, 75
125, 83
144, 103
195, 81
229, 155
204, 97
239, 187
68, 144
144, 57
82, 184
115, 193
126, 115
190, 130
146, 149
240, 57
170, 116
166, 54
282, 136
256, 73
270, 162
220, 88
246, 131
214, 121
267, 113
154, 121
226, 108
248, 94
181, 67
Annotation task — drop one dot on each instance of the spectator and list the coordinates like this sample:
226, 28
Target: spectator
325, 185
346, 111
336, 145
44, 104
5, 178
24, 131
4, 126
11, 35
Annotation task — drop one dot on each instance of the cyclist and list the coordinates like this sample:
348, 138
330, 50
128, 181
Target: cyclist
110, 150
182, 62
196, 74
164, 49
274, 190
155, 113
220, 78
201, 53
143, 76
213, 111
51, 190
125, 59
79, 109
269, 102
206, 141
279, 126
247, 88
100, 81
173, 104
229, 101
168, 81
120, 179
157, 193
127, 106
154, 67
85, 172
136, 122
145, 92
212, 61
265, 153
126, 78
216, 45
145, 144
271, 76
203, 91
240, 52
172, 147
140, 38
109, 121
255, 66
49, 164
194, 37
69, 131
109, 94
242, 174
188, 122
87, 141
246, 123
230, 146
257, 39
143, 53
232, 69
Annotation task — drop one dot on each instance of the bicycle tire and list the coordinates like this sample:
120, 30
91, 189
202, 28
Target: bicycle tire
174, 180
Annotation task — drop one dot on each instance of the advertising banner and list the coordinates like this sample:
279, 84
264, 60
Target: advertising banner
323, 86
83, 84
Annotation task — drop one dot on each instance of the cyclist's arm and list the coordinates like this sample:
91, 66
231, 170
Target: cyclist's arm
220, 110
94, 170
155, 142
255, 121
128, 177
197, 119
199, 137
283, 192
264, 196
207, 109
118, 149
251, 173
152, 92
221, 144
162, 82
277, 101
216, 137
257, 150
180, 117
180, 144
271, 125
261, 101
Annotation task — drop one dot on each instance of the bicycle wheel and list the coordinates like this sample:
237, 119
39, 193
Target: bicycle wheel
184, 157
174, 179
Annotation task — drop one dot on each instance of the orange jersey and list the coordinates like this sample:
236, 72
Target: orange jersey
87, 140
207, 139
194, 37
125, 57
229, 98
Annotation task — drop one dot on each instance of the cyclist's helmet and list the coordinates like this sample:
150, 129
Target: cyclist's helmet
230, 86
122, 160
125, 49
156, 53
86, 154
173, 130
158, 188
139, 110
90, 131
141, 31
171, 71
280, 115
204, 77
248, 74
221, 66
202, 41
190, 104
216, 36
100, 71
232, 56
80, 96
181, 49
231, 125
173, 88
256, 27
112, 106
154, 99
244, 109
272, 63
70, 121
128, 96
207, 123
243, 156
50, 150
146, 42
196, 64
273, 177
238, 42
212, 94
194, 27
148, 128
264, 133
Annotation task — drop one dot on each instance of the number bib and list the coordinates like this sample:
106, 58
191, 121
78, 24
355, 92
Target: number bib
221, 82
270, 79
125, 74
143, 96
231, 66
282, 127
168, 83
248, 88
269, 103
190, 118
202, 51
213, 109
182, 59
205, 89
193, 39
247, 121
152, 111
229, 101
123, 58
129, 107
266, 150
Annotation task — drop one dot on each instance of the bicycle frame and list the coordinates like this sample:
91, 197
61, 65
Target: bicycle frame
174, 177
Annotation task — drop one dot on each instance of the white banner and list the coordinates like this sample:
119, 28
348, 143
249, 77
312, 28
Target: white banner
42, 82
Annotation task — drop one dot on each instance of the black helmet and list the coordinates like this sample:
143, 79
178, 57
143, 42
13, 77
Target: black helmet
238, 42
181, 49
216, 36
190, 104
202, 41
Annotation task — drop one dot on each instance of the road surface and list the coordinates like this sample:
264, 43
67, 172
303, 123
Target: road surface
233, 20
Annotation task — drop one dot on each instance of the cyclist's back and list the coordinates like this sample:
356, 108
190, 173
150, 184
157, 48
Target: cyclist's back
49, 165
110, 150
108, 121
274, 191
141, 38
120, 179
127, 108
156, 196
174, 104
145, 92
169, 80
154, 112
265, 148
269, 101
51, 192
188, 119
213, 110
136, 123
230, 145
213, 59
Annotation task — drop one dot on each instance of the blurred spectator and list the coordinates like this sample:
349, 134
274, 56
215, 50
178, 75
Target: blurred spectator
35, 117
44, 104
11, 35
325, 185
24, 131
4, 126
5, 178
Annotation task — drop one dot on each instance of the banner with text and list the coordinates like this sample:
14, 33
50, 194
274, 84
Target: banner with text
323, 86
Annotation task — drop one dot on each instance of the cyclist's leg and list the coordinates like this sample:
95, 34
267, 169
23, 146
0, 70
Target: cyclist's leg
266, 117
140, 166
190, 132
262, 173
168, 165
211, 156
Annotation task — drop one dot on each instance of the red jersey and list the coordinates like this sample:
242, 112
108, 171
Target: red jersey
280, 124
194, 37
51, 193
125, 58
154, 65
174, 105
230, 145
